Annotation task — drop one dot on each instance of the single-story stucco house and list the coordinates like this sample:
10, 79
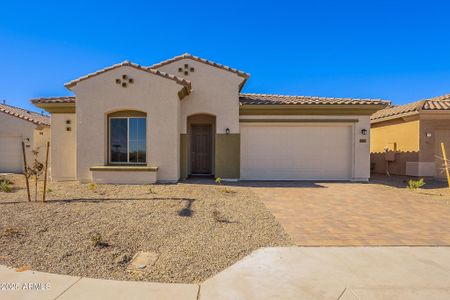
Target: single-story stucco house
406, 139
18, 125
186, 116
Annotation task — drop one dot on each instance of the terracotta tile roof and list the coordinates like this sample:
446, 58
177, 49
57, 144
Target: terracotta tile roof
398, 111
205, 61
266, 99
33, 117
68, 99
178, 80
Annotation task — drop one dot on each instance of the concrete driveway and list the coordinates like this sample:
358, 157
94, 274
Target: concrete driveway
382, 212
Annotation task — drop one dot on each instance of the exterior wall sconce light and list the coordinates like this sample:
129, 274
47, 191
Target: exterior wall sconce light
428, 134
364, 131
227, 131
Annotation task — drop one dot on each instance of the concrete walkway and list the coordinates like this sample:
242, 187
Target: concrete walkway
54, 286
344, 273
335, 273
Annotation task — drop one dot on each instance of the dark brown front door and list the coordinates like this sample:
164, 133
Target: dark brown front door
201, 149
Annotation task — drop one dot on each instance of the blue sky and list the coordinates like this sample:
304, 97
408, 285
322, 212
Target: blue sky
396, 50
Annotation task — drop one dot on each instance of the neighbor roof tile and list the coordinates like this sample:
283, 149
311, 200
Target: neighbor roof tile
33, 117
398, 111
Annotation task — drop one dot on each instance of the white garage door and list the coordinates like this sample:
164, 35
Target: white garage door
11, 154
299, 151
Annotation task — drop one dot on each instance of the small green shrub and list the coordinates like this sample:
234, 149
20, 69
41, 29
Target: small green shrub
6, 180
415, 184
218, 180
92, 187
49, 190
97, 240
151, 190
5, 187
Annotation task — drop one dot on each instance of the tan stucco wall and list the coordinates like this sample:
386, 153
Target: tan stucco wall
430, 150
361, 167
128, 177
63, 147
360, 150
416, 153
13, 126
404, 134
152, 94
396, 167
214, 91
184, 155
41, 136
227, 156
427, 144
400, 134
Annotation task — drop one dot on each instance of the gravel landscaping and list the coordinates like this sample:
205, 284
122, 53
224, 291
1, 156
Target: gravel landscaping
197, 230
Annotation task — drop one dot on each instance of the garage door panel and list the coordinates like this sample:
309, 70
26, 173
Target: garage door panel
298, 151
10, 154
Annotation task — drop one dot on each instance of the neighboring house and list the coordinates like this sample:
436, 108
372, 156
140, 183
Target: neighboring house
406, 139
17, 125
185, 116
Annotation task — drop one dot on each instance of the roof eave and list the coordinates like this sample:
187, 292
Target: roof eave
57, 107
241, 86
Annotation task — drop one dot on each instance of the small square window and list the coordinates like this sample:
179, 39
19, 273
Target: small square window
68, 129
131, 80
124, 76
180, 70
68, 122
186, 66
191, 69
118, 81
124, 84
186, 73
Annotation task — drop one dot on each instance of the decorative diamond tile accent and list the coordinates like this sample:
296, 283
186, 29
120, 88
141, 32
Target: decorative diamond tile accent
186, 69
124, 81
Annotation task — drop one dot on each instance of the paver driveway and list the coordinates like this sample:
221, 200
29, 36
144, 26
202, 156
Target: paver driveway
355, 214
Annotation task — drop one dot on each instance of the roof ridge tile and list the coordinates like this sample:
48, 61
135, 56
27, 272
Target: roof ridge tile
267, 99
199, 59
397, 111
179, 80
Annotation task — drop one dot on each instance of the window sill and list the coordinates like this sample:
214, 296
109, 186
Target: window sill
124, 168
